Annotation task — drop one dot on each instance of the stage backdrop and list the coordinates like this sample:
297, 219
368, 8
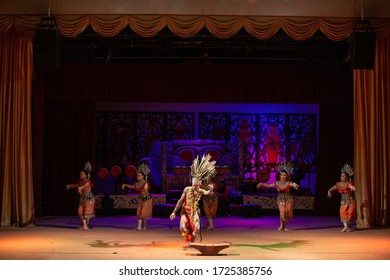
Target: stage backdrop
73, 93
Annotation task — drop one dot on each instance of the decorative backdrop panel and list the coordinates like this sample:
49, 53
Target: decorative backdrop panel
246, 143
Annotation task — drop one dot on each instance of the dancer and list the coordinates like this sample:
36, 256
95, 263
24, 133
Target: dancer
188, 202
348, 202
210, 206
223, 200
86, 208
144, 207
284, 199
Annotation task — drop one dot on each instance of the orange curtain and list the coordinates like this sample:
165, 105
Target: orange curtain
372, 141
371, 94
16, 187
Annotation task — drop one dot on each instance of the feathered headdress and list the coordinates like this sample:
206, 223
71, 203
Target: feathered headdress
144, 169
347, 169
288, 167
88, 169
203, 169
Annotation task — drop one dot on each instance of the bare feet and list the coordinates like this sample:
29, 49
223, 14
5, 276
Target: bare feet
344, 229
285, 229
280, 228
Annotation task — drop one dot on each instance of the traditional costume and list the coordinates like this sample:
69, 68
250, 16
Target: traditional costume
285, 200
348, 201
190, 212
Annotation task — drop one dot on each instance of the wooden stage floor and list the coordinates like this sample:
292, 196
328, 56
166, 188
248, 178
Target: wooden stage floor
113, 238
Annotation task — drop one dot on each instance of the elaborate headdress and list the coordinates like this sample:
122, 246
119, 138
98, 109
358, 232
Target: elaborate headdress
144, 169
204, 169
288, 167
347, 169
87, 169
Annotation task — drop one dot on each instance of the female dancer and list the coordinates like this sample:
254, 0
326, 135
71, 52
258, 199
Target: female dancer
348, 202
210, 206
284, 199
144, 207
86, 209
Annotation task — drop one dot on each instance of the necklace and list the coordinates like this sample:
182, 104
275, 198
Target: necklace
281, 184
342, 185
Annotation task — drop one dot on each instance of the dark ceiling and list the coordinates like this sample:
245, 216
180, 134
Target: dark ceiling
165, 47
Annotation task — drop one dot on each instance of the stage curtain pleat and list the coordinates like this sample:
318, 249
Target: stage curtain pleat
194, 83
72, 127
334, 149
16, 184
371, 92
372, 141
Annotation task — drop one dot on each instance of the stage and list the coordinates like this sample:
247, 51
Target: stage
113, 238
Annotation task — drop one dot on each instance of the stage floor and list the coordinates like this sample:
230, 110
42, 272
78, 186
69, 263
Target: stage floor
113, 238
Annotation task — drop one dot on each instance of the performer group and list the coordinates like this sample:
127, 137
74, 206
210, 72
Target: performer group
214, 195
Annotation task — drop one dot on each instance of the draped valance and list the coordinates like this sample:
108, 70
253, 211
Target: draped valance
298, 28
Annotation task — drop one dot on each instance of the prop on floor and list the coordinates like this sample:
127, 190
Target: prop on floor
209, 249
